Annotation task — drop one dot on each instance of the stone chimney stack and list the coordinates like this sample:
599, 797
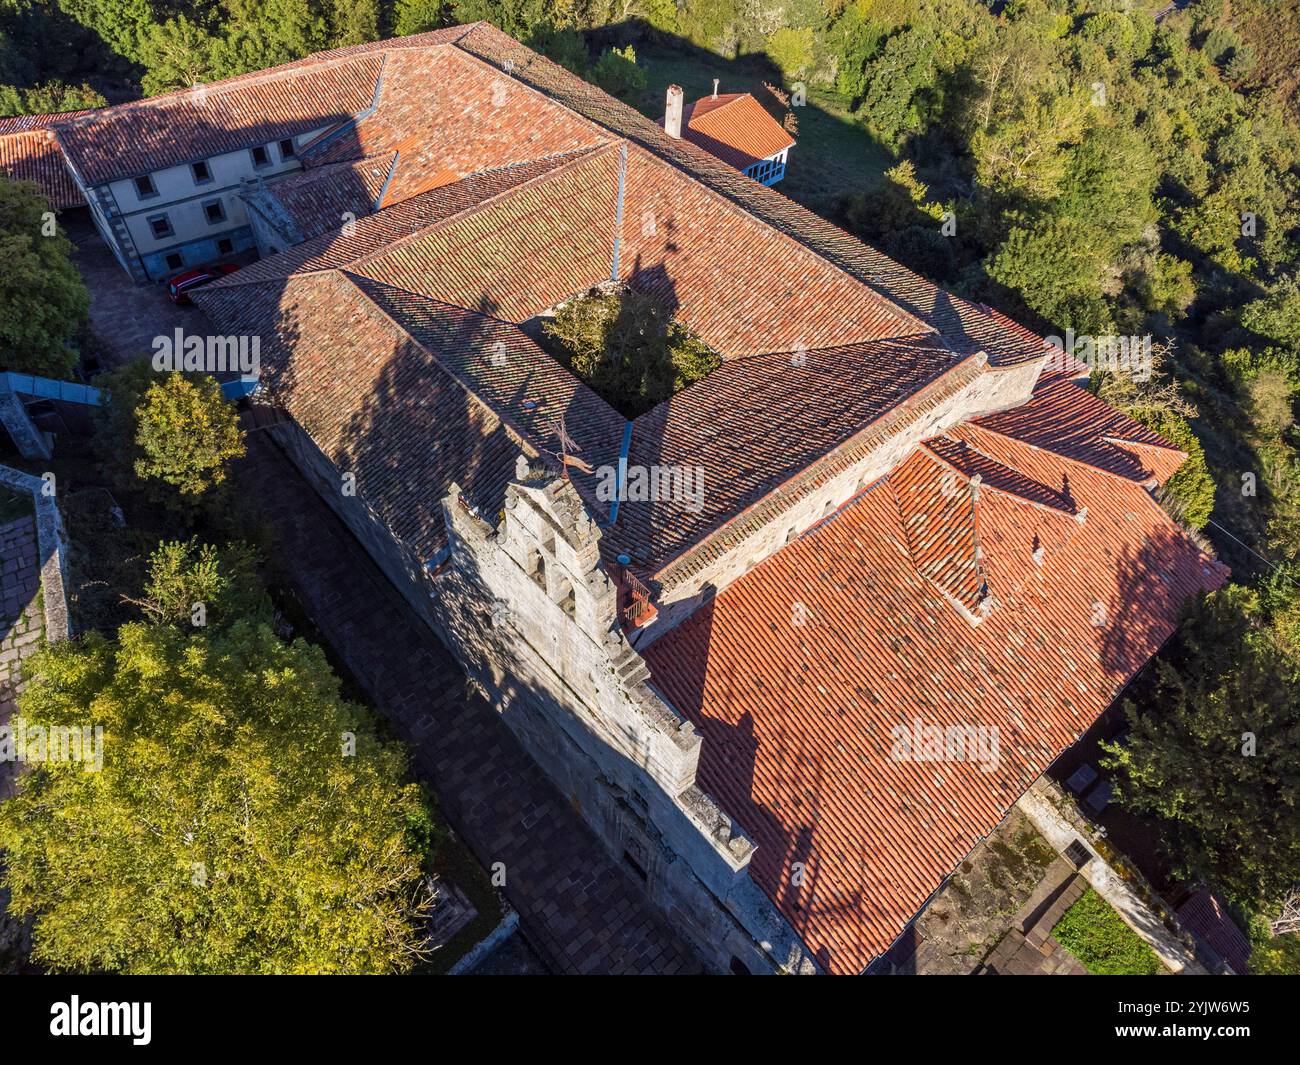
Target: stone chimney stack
673, 112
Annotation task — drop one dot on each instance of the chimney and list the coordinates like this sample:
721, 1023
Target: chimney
673, 112
715, 88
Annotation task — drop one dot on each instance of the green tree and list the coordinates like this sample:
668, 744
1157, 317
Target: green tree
1210, 754
418, 16
174, 430
186, 433
43, 301
628, 349
353, 22
617, 73
792, 51
50, 98
232, 826
263, 33
176, 54
1055, 266
184, 576
1190, 491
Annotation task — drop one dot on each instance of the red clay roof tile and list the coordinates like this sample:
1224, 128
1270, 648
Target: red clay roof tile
735, 127
799, 672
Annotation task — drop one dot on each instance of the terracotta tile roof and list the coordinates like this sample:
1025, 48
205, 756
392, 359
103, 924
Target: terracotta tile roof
938, 515
324, 89
32, 154
518, 254
742, 286
379, 231
26, 123
1082, 427
475, 119
506, 370
943, 495
735, 127
320, 200
797, 673
1206, 916
148, 135
377, 403
762, 424
965, 325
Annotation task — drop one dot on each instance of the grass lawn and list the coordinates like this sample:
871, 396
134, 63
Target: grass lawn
834, 155
1103, 943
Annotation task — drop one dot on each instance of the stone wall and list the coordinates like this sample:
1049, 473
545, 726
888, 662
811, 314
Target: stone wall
985, 392
547, 649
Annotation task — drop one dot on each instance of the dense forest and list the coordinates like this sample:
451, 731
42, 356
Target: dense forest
1111, 167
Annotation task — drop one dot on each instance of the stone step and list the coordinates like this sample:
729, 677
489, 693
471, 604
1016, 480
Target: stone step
1054, 881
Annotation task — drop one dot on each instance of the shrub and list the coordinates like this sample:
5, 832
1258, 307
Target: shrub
617, 73
628, 349
792, 51
1190, 491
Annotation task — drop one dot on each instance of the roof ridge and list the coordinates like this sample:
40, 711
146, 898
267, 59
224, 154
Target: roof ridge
1069, 511
580, 155
536, 59
379, 315
932, 569
524, 435
1006, 435
812, 470
240, 278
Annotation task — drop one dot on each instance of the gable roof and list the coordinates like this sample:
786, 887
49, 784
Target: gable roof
397, 347
965, 326
370, 234
182, 127
798, 673
29, 152
759, 425
734, 127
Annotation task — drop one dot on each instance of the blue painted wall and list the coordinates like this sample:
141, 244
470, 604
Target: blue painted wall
197, 252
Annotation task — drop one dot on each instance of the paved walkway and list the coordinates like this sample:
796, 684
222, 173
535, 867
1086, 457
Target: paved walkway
576, 905
125, 316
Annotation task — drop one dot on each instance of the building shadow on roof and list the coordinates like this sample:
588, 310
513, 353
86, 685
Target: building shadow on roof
1156, 586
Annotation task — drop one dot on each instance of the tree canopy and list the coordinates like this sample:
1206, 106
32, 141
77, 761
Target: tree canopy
626, 346
43, 301
243, 817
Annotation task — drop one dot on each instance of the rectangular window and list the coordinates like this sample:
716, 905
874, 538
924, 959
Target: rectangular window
214, 211
161, 226
202, 175
260, 157
287, 150
174, 261
225, 246
144, 186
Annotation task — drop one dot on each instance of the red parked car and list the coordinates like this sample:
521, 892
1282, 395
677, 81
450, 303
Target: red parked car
180, 285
